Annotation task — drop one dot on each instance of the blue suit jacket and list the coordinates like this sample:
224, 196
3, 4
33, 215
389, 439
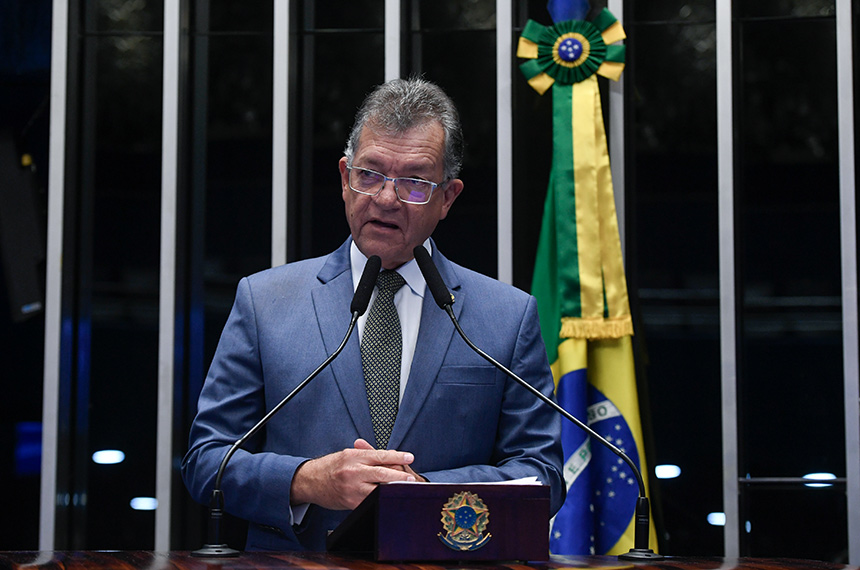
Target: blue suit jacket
461, 418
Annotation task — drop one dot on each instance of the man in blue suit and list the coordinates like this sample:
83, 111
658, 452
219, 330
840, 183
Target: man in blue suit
458, 419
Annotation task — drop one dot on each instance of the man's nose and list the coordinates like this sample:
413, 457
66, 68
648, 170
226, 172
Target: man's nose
388, 194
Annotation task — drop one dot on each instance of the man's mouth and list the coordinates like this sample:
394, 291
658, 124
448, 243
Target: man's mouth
383, 224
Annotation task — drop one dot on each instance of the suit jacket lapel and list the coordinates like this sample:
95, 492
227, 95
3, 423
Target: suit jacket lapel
434, 335
331, 304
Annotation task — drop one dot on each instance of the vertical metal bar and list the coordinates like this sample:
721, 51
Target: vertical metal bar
54, 273
848, 231
167, 273
280, 131
504, 141
616, 134
392, 39
728, 331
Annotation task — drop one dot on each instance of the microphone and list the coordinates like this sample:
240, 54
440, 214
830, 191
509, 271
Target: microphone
445, 300
214, 548
365, 287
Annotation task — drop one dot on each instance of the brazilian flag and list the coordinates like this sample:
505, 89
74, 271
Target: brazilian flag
581, 288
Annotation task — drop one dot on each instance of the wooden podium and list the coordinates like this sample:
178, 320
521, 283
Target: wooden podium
182, 560
427, 522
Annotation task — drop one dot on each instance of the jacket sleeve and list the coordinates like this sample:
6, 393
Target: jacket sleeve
255, 484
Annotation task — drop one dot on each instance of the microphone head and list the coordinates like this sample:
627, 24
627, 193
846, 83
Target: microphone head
365, 285
434, 281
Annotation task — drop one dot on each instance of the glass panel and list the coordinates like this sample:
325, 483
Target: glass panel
122, 15
789, 256
238, 157
347, 14
469, 231
795, 522
792, 8
673, 11
672, 259
529, 9
20, 422
792, 394
329, 103
232, 176
683, 393
532, 152
125, 191
245, 16
25, 47
470, 15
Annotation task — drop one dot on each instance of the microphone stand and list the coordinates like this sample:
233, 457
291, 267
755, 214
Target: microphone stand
640, 550
214, 548
642, 527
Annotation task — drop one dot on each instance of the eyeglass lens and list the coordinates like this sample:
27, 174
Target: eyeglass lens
408, 189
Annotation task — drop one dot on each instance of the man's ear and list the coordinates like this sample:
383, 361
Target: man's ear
450, 192
344, 176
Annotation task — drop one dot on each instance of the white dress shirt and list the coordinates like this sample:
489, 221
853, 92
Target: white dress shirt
408, 300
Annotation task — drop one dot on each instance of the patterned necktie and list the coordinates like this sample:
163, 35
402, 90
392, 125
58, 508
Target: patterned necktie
381, 348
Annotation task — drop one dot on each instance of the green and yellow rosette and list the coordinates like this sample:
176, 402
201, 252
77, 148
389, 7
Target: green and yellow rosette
571, 52
582, 277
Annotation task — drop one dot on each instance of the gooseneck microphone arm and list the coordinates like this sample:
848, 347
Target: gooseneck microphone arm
445, 300
214, 548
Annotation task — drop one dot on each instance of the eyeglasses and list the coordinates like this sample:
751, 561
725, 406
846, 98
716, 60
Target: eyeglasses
408, 190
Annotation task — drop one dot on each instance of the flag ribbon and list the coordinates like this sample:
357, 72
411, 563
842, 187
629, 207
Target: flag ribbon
579, 282
589, 285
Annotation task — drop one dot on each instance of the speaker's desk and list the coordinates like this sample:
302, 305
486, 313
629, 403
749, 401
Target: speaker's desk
180, 560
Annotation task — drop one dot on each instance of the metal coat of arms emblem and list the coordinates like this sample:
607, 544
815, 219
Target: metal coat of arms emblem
464, 519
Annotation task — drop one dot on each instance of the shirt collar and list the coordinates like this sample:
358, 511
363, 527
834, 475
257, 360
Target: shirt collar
409, 271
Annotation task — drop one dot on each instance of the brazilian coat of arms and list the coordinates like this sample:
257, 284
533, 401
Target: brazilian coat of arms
464, 519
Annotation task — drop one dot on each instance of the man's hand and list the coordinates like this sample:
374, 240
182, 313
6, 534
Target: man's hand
341, 480
362, 444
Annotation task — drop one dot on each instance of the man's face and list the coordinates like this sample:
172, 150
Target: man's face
383, 225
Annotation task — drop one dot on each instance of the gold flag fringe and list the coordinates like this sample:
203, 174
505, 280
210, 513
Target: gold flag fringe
576, 327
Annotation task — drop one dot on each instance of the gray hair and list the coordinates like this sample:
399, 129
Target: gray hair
401, 104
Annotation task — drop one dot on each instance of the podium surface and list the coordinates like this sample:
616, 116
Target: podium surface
181, 560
